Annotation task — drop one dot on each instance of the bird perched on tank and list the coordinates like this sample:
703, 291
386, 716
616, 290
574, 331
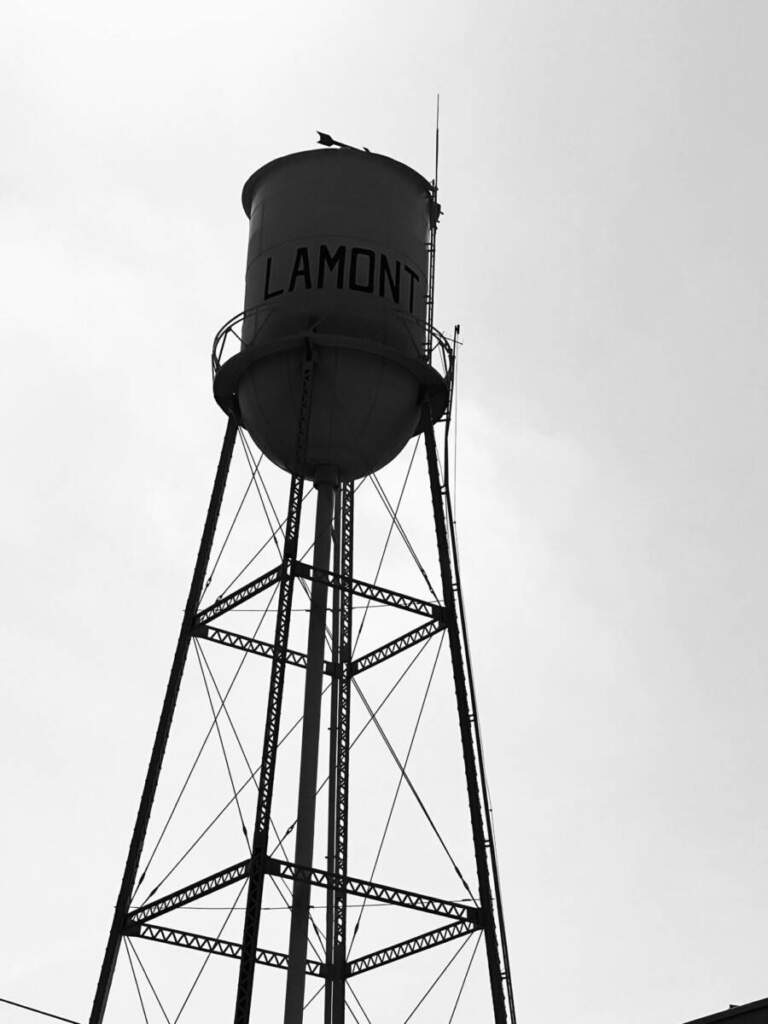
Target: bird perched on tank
327, 140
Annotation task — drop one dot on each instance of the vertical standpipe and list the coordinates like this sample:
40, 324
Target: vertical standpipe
310, 735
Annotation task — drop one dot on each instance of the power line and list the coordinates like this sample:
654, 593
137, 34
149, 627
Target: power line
34, 1009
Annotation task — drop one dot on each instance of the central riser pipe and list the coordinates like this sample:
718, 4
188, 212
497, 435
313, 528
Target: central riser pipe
310, 737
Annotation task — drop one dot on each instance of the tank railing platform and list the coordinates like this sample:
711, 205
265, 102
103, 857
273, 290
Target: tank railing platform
228, 341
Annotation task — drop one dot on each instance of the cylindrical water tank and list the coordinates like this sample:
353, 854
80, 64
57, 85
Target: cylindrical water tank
337, 266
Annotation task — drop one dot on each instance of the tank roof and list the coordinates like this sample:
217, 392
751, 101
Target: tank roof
250, 185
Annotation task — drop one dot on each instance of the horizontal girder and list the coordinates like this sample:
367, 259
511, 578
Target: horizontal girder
179, 898
369, 590
315, 876
397, 646
224, 604
411, 946
360, 588
373, 890
222, 947
250, 645
270, 958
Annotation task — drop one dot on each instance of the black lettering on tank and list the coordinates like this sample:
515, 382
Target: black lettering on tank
330, 262
267, 293
414, 278
300, 269
354, 284
385, 271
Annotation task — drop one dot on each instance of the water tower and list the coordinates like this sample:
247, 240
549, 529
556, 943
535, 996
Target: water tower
331, 371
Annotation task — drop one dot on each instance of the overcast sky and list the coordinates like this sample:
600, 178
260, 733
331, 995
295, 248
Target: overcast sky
604, 246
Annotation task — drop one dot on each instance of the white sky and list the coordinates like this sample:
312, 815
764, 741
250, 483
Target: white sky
604, 246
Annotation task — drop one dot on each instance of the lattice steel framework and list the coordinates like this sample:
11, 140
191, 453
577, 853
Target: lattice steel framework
201, 622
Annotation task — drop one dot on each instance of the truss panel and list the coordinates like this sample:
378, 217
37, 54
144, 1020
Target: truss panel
225, 604
372, 592
394, 647
219, 947
411, 946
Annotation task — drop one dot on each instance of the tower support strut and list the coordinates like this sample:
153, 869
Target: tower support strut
131, 869
310, 737
482, 837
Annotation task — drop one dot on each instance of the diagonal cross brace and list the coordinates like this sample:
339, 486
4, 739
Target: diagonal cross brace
250, 645
271, 958
222, 947
224, 604
190, 893
283, 869
374, 891
402, 643
411, 946
370, 590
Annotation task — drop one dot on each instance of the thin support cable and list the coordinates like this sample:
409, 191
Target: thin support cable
359, 1004
235, 733
279, 528
321, 938
281, 846
189, 776
268, 497
259, 484
386, 543
34, 1009
136, 983
149, 982
357, 485
413, 789
314, 997
350, 1011
245, 568
285, 894
269, 540
209, 954
251, 778
464, 979
367, 722
388, 506
372, 714
221, 744
226, 537
437, 979
253, 772
397, 793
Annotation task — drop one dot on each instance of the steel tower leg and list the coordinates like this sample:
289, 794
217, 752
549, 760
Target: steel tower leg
268, 760
163, 730
338, 770
332, 743
259, 849
310, 736
481, 830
